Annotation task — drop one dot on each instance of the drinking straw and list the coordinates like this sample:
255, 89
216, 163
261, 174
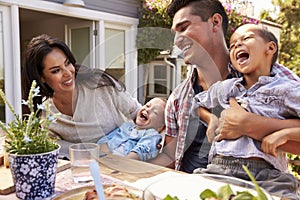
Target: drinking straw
95, 171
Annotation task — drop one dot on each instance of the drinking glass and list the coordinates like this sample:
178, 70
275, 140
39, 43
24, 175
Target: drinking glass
81, 155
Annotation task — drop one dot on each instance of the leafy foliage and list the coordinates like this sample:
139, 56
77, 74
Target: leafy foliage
235, 19
28, 135
295, 169
289, 18
154, 33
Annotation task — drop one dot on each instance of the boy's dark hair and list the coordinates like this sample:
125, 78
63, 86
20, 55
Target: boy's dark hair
203, 8
268, 36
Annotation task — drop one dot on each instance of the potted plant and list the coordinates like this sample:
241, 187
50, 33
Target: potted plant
32, 153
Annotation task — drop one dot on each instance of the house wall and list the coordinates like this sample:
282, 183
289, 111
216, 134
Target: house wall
129, 8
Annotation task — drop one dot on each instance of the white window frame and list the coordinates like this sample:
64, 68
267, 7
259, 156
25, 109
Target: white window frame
130, 55
152, 79
91, 25
121, 30
12, 63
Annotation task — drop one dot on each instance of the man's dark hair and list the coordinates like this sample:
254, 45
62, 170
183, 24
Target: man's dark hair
203, 8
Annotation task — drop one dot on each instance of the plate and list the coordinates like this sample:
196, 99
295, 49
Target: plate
75, 194
78, 193
189, 186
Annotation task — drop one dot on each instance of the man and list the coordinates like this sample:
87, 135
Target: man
200, 26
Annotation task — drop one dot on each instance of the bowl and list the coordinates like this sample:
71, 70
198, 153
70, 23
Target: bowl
190, 186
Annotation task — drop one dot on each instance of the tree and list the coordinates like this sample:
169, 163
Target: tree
154, 33
289, 18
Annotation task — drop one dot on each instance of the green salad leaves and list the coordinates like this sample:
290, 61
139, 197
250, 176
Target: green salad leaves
226, 193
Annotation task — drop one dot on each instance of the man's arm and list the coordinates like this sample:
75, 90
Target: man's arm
235, 122
167, 157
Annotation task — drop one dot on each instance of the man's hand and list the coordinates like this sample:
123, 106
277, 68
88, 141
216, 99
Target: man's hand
231, 122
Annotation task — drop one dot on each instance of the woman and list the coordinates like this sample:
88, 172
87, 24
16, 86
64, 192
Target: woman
91, 103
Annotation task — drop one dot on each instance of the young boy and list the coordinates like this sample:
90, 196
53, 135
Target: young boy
139, 139
253, 50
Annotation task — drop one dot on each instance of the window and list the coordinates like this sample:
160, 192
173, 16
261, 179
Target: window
80, 39
114, 53
114, 48
160, 79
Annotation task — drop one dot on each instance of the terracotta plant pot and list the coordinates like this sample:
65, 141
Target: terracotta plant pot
34, 175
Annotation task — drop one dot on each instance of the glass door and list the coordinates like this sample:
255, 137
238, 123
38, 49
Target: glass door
81, 40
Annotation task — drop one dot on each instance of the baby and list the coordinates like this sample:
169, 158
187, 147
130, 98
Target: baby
139, 139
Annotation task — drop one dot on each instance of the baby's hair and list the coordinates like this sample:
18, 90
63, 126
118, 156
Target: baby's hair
161, 98
164, 99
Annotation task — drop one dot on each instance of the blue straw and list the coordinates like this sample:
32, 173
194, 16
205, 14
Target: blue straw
95, 171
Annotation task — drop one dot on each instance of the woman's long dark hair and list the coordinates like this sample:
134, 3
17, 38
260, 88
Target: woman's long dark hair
38, 48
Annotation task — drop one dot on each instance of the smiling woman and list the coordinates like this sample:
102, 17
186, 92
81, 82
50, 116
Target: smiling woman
91, 102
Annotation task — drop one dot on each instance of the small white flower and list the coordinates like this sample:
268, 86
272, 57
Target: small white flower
27, 139
24, 102
40, 107
36, 91
52, 118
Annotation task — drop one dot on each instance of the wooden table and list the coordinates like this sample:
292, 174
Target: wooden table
114, 167
128, 169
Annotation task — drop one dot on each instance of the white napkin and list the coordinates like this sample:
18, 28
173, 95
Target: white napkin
143, 183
